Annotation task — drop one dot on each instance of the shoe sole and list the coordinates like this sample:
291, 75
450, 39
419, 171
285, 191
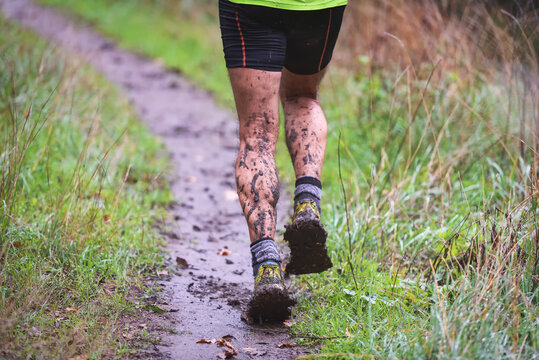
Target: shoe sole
271, 303
308, 252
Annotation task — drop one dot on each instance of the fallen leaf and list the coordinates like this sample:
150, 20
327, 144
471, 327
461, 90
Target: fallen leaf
107, 218
231, 348
222, 342
285, 345
221, 355
223, 252
181, 262
204, 341
289, 323
231, 352
72, 309
228, 337
16, 244
154, 308
162, 272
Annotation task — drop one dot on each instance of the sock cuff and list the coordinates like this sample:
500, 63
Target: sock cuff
254, 243
310, 180
264, 250
308, 188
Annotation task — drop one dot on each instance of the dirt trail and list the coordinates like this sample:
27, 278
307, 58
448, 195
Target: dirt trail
201, 139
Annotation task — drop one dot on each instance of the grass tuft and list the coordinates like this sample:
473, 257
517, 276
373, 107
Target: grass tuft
72, 237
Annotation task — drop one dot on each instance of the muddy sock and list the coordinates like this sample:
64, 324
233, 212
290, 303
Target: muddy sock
308, 187
262, 251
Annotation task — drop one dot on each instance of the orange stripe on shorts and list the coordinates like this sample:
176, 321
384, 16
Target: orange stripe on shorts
325, 43
242, 40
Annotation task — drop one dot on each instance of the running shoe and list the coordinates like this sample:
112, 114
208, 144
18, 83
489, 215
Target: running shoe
270, 299
306, 238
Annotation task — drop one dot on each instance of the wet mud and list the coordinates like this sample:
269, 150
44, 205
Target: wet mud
208, 237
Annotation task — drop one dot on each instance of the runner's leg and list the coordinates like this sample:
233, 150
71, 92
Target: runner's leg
257, 101
305, 123
306, 134
310, 43
254, 46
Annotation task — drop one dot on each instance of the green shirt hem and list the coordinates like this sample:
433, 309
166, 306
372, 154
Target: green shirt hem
293, 5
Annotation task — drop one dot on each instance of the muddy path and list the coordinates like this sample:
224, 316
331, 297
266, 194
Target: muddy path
206, 297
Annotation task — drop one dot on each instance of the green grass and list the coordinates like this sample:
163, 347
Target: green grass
441, 255
80, 189
437, 207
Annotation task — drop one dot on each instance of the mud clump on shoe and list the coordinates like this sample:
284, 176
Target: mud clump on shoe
306, 238
270, 300
268, 304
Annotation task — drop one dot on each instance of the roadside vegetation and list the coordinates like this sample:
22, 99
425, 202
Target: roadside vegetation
431, 177
78, 201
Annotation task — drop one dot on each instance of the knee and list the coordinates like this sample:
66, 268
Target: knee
308, 101
296, 96
298, 92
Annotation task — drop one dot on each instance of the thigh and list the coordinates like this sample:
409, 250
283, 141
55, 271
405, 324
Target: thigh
311, 38
252, 36
257, 103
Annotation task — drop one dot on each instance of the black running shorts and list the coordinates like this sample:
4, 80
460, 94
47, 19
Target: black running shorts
265, 38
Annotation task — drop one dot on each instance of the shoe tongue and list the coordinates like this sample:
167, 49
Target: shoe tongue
270, 263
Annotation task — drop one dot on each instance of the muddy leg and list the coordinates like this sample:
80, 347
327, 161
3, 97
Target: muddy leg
257, 101
306, 134
305, 123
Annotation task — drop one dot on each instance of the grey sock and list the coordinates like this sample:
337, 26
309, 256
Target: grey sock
308, 188
262, 251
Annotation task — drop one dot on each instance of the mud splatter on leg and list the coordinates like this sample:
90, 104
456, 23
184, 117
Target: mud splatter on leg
305, 123
256, 94
306, 132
